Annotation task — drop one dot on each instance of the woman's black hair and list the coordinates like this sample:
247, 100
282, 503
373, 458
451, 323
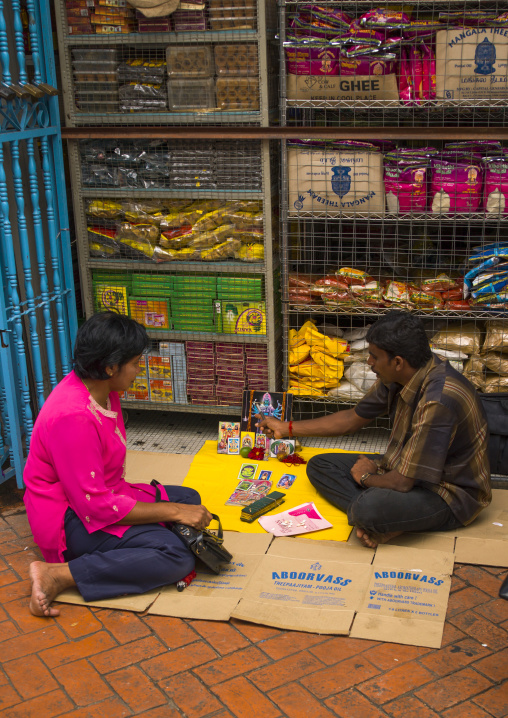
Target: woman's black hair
104, 340
401, 334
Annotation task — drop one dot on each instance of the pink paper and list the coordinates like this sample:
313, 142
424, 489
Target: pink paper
301, 519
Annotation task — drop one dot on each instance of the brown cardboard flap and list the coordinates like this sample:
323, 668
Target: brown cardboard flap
432, 541
325, 550
481, 551
349, 89
307, 594
170, 469
138, 602
212, 597
407, 596
398, 630
297, 618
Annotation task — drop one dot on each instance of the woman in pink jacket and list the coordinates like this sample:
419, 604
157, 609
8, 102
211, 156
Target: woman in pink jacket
96, 531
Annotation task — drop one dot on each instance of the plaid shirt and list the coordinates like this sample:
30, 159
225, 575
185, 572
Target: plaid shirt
439, 435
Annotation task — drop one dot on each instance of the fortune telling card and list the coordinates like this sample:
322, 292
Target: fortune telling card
227, 430
249, 489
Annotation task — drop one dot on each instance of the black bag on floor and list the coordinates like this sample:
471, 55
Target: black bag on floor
204, 544
496, 409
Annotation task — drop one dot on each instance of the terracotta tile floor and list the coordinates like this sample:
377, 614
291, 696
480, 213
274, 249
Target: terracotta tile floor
94, 663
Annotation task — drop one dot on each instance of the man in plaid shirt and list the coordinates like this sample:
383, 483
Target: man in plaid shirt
434, 475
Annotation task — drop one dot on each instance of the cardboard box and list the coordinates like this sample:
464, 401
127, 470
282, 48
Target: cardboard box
472, 63
291, 589
335, 182
407, 597
151, 313
352, 88
159, 367
248, 318
111, 298
161, 390
138, 391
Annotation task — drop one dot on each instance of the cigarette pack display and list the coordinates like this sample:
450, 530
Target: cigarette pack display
185, 95
237, 60
190, 61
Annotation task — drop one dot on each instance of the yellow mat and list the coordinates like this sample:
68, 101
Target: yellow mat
215, 477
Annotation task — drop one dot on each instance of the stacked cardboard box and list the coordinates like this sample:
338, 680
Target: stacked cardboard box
201, 372
176, 352
256, 366
193, 304
230, 370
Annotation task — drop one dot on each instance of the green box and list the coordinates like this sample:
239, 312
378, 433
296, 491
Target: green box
244, 318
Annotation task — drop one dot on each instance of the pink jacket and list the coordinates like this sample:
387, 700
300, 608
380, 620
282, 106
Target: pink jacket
77, 459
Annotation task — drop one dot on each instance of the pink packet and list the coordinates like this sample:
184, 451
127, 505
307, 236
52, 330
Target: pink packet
406, 189
455, 187
496, 186
429, 72
406, 90
416, 65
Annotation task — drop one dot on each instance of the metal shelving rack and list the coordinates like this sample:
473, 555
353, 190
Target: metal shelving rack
318, 242
162, 127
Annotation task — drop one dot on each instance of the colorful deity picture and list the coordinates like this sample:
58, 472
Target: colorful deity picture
270, 404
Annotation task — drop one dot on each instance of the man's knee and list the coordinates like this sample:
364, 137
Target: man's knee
317, 468
365, 511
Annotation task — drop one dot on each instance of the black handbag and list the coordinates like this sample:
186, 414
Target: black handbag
206, 546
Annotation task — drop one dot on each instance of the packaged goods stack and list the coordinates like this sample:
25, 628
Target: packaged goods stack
256, 367
153, 24
179, 371
193, 304
102, 17
190, 71
230, 367
142, 85
159, 377
139, 390
95, 79
201, 373
178, 233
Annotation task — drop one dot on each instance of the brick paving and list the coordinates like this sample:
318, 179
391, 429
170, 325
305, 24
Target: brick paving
98, 663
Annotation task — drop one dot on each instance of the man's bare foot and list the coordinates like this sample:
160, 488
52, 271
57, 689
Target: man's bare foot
48, 580
373, 540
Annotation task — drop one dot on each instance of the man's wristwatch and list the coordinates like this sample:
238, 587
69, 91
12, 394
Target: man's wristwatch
363, 479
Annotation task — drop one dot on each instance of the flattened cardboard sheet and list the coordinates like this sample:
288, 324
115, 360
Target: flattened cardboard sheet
485, 542
305, 593
407, 597
170, 469
136, 603
211, 597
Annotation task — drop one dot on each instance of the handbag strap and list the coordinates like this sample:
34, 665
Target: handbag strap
158, 499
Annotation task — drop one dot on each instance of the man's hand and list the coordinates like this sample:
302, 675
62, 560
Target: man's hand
196, 516
273, 428
361, 467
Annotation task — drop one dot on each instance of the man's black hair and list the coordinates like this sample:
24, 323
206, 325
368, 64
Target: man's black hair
401, 334
104, 340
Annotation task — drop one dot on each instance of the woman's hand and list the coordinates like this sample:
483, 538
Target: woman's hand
273, 428
198, 517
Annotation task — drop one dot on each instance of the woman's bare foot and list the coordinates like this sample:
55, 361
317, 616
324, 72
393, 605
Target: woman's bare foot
48, 580
373, 540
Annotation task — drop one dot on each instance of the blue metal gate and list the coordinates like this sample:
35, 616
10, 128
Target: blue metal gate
37, 303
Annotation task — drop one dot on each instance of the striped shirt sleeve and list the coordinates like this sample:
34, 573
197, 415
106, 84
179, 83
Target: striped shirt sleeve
424, 455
